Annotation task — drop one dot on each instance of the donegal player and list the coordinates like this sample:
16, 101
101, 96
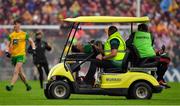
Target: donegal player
16, 50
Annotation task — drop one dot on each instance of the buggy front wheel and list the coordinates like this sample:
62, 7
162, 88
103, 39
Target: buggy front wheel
60, 90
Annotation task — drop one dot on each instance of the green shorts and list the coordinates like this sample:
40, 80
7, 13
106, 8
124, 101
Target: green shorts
17, 59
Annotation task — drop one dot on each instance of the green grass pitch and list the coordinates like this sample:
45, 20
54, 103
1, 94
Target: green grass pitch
19, 96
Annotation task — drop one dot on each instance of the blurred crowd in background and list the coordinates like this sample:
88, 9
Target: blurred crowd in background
164, 15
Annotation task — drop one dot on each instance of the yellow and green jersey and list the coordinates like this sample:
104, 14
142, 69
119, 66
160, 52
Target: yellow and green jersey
18, 43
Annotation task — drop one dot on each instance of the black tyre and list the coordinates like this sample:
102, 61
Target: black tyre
140, 90
128, 96
47, 91
60, 90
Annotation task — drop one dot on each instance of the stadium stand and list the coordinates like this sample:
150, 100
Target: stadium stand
164, 15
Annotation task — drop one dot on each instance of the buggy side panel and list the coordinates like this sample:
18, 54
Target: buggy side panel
124, 80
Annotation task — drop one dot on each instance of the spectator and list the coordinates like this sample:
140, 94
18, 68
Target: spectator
165, 16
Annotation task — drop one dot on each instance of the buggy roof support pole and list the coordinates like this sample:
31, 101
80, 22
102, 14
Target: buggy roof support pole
131, 27
83, 61
66, 42
72, 40
138, 9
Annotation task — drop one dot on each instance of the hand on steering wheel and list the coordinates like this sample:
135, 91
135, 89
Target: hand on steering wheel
99, 57
95, 49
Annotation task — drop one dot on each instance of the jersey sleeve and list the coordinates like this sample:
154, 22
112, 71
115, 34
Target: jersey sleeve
27, 36
114, 43
9, 38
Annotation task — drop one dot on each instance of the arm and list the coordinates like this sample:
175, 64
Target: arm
8, 47
98, 48
114, 49
32, 43
111, 55
130, 40
48, 47
8, 44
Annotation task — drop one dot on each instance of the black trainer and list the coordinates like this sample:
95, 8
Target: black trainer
28, 88
9, 88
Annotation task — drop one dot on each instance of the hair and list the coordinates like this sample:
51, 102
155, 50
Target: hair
17, 22
38, 33
92, 41
111, 30
142, 27
75, 49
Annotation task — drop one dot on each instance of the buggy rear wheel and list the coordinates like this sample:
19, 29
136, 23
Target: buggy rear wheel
140, 90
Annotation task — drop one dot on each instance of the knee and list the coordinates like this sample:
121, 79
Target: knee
164, 61
18, 66
16, 72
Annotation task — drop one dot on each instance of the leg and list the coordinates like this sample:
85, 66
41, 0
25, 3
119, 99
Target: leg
160, 73
158, 65
106, 64
162, 68
23, 78
164, 62
89, 78
17, 70
46, 68
39, 67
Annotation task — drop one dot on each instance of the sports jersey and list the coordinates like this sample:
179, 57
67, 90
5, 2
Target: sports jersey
18, 43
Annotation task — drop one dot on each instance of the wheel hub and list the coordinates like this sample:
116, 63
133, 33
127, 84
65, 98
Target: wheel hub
142, 92
60, 90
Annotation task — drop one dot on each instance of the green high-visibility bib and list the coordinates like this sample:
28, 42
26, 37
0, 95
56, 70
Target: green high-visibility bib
143, 43
121, 49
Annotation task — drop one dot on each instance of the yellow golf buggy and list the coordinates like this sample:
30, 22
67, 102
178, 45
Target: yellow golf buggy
132, 82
